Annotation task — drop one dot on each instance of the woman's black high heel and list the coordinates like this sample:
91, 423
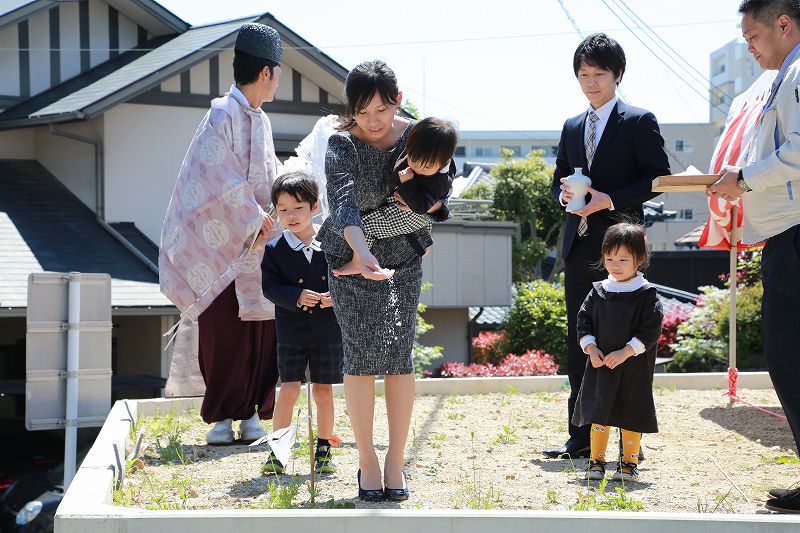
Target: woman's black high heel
397, 495
368, 495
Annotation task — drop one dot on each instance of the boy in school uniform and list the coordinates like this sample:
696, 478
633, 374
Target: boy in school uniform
294, 273
621, 149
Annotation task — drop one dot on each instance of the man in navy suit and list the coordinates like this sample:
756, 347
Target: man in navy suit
621, 149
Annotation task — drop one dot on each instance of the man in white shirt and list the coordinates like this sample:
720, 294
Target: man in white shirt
770, 185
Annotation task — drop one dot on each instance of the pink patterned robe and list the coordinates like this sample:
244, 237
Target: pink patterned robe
207, 242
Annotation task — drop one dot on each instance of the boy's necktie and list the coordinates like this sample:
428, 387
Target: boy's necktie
591, 145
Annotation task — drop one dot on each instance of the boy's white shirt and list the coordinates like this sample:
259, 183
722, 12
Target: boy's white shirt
297, 245
612, 285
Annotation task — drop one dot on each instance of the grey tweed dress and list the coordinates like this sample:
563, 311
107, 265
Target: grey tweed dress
377, 318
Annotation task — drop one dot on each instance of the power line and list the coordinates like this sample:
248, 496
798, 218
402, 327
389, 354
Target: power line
620, 91
666, 47
662, 61
571, 20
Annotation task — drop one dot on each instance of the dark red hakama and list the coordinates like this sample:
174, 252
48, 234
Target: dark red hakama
238, 361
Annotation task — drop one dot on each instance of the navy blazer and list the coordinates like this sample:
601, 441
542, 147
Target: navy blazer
629, 155
285, 273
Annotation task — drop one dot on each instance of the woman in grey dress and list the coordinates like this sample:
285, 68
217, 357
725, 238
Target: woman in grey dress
376, 310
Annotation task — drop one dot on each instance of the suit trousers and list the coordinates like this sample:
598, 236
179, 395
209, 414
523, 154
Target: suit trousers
780, 265
579, 274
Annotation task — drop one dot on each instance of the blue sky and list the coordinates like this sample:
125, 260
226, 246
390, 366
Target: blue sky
503, 64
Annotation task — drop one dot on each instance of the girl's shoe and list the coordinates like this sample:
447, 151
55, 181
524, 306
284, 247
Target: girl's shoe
221, 433
323, 460
250, 429
272, 465
626, 472
368, 495
596, 470
397, 495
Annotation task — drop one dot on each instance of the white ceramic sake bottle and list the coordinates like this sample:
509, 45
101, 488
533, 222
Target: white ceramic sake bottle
578, 185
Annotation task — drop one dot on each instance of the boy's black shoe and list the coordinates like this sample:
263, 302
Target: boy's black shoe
323, 460
789, 504
783, 493
272, 465
572, 450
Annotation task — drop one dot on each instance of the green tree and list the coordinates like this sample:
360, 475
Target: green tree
482, 190
522, 195
410, 108
538, 320
423, 355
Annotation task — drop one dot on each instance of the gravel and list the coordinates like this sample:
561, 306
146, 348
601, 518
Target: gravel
484, 451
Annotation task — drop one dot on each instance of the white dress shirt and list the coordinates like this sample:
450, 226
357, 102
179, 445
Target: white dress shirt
298, 245
603, 113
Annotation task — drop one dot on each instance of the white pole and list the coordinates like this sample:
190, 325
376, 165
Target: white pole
310, 438
732, 283
73, 364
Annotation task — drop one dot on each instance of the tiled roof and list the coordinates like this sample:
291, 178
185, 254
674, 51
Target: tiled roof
43, 227
126, 81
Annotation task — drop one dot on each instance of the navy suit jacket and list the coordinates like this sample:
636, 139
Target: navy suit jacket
629, 155
285, 273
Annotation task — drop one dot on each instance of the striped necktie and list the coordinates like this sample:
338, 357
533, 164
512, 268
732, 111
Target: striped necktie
591, 146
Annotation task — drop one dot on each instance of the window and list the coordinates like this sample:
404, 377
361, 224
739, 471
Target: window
460, 151
687, 214
684, 146
483, 151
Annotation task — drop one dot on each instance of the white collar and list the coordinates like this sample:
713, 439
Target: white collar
634, 284
604, 111
297, 245
239, 96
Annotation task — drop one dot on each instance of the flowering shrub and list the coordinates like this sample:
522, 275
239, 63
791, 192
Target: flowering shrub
697, 347
489, 347
748, 267
530, 363
674, 315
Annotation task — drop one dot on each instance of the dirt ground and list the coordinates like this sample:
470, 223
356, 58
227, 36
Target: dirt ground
484, 451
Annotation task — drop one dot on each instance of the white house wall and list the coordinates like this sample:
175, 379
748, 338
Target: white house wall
9, 61
469, 265
70, 37
285, 89
79, 42
226, 71
290, 124
39, 39
144, 146
98, 35
18, 144
72, 162
201, 79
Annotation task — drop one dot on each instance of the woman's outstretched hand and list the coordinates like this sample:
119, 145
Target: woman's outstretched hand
371, 269
366, 265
